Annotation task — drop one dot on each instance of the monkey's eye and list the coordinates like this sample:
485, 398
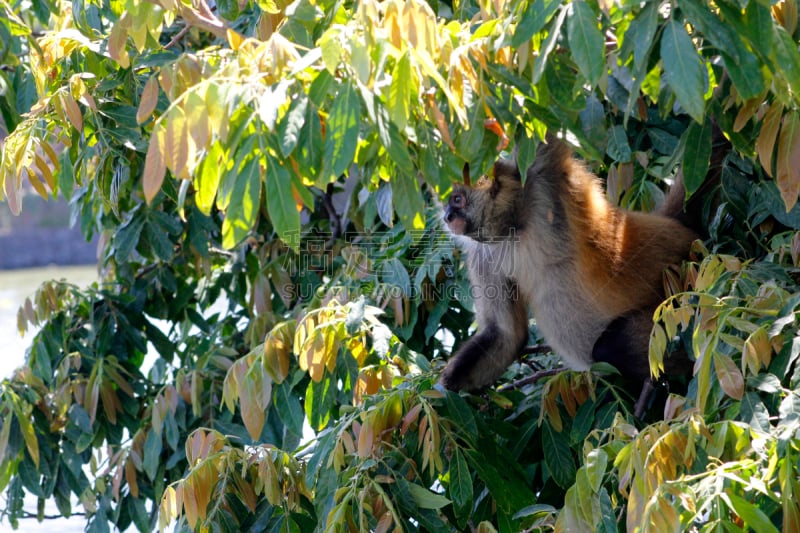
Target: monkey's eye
457, 200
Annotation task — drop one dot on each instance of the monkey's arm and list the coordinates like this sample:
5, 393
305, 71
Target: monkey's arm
502, 333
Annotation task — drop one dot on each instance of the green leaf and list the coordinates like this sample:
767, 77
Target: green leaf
618, 147
409, 202
752, 515
281, 204
586, 42
643, 29
696, 155
393, 273
744, 72
787, 58
752, 411
425, 498
229, 9
152, 454
341, 138
66, 175
558, 456
533, 19
291, 125
460, 487
401, 92
242, 212
288, 406
683, 69
208, 176
549, 45
127, 238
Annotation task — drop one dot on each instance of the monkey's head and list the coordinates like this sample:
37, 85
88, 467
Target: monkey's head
489, 210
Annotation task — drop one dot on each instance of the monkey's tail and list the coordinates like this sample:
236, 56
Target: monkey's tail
694, 212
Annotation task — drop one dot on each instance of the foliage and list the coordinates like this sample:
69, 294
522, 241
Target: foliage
263, 177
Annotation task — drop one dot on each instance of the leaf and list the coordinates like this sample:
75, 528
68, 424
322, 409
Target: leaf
558, 456
155, 167
788, 178
291, 126
683, 69
586, 41
533, 19
696, 155
72, 110
409, 203
152, 454
207, 178
752, 515
401, 91
618, 147
254, 385
461, 487
765, 144
289, 409
28, 431
787, 57
116, 45
729, 376
341, 138
425, 498
280, 203
242, 212
752, 411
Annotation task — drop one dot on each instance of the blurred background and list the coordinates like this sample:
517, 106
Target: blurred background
38, 245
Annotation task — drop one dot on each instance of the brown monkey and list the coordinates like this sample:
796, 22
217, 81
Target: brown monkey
590, 272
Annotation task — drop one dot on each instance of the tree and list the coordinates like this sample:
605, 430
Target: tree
263, 178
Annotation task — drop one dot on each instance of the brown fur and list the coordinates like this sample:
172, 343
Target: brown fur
590, 272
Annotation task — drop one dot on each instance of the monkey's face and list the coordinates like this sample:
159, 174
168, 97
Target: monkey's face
484, 212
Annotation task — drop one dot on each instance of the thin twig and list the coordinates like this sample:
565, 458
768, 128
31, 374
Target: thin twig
536, 348
531, 379
178, 36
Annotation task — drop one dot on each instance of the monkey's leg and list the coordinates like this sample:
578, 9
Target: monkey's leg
625, 344
502, 333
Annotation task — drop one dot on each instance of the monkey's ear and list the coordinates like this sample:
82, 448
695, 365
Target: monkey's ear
505, 168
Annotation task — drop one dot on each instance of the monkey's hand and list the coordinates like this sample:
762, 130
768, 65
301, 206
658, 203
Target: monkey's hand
482, 359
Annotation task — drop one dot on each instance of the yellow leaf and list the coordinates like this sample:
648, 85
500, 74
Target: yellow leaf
169, 508
765, 144
788, 178
72, 110
116, 45
366, 438
44, 169
148, 102
235, 39
154, 167
277, 348
197, 121
36, 183
315, 356
190, 506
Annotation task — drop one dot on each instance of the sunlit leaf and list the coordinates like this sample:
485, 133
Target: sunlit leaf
280, 203
242, 212
342, 132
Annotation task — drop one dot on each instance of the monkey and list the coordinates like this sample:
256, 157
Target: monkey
590, 272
